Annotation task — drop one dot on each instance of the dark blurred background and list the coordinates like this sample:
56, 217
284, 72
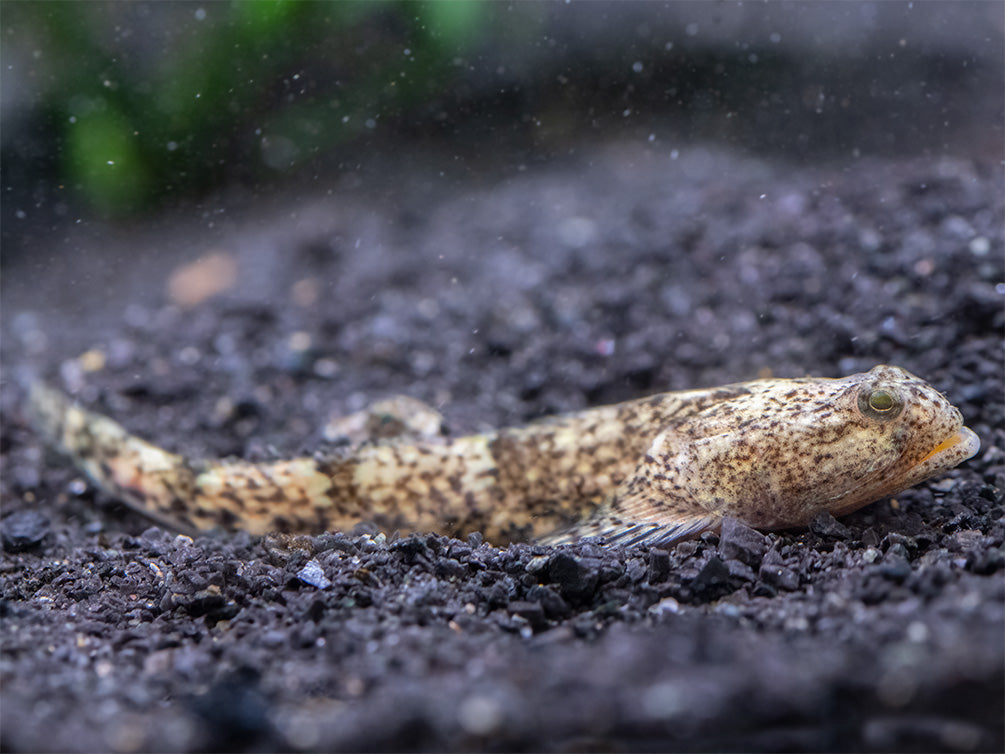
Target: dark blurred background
109, 109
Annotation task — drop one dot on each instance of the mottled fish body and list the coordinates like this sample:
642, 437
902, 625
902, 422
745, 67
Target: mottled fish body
772, 453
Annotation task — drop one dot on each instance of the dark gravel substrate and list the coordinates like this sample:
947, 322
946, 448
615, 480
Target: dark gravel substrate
619, 271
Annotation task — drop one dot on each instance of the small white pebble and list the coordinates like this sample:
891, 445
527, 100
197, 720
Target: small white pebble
980, 246
665, 700
665, 605
917, 631
480, 715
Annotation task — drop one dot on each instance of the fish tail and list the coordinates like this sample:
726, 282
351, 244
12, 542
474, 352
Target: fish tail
300, 495
148, 478
295, 495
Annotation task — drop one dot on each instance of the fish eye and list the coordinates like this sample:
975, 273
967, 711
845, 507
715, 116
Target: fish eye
879, 403
880, 400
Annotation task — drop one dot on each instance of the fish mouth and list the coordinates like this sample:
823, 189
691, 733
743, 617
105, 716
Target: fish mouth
953, 450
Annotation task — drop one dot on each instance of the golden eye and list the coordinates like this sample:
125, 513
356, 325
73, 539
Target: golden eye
879, 403
880, 400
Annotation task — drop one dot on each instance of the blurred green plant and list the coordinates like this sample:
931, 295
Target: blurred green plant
150, 99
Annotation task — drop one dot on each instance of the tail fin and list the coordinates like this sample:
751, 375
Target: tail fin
123, 465
290, 495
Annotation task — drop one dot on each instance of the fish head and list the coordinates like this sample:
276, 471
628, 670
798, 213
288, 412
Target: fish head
786, 450
900, 431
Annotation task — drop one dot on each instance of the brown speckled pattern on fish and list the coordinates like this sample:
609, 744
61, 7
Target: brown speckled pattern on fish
772, 453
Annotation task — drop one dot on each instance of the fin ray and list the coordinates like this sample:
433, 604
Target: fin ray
616, 531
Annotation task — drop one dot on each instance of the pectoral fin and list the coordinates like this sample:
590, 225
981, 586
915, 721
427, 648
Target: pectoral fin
613, 530
653, 506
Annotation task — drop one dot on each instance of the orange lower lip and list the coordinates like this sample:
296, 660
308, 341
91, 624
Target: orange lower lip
946, 445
